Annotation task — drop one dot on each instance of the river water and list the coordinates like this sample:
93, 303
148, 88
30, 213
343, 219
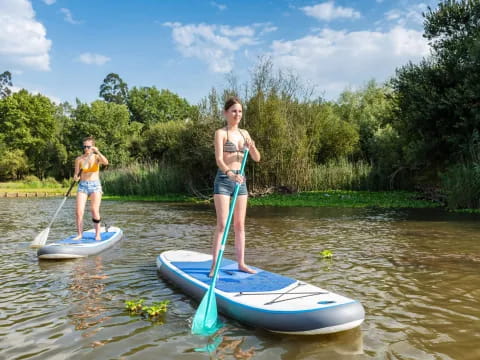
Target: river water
417, 273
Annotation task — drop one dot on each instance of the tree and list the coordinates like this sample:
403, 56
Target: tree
114, 89
438, 101
109, 124
149, 106
5, 83
27, 123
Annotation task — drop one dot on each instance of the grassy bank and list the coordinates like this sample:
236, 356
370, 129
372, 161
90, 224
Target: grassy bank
22, 187
332, 198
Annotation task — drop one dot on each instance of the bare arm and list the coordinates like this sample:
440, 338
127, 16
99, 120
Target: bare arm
254, 153
100, 157
76, 175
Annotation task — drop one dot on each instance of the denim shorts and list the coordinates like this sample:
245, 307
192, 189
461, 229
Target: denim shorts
89, 187
224, 186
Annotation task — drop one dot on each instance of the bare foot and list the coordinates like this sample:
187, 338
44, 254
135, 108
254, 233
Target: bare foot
246, 269
210, 274
78, 237
98, 239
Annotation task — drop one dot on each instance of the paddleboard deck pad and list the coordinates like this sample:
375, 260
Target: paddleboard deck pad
266, 300
69, 248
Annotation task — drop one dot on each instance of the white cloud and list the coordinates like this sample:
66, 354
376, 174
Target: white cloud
49, 2
337, 59
219, 6
23, 39
215, 45
93, 59
68, 17
327, 11
408, 16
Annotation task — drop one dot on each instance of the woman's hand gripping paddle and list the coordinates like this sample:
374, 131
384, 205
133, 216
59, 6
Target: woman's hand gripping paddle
205, 321
41, 238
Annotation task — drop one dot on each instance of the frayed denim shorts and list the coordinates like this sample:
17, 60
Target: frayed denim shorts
90, 187
224, 186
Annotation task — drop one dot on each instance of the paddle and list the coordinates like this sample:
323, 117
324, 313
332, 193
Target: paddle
41, 238
205, 321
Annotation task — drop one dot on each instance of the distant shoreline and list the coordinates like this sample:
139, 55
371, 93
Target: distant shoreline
330, 198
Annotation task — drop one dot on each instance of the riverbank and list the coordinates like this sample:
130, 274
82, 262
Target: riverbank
332, 198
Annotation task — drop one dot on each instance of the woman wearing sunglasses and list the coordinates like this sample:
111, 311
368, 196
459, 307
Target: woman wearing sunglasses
89, 185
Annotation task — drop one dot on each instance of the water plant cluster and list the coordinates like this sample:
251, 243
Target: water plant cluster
152, 312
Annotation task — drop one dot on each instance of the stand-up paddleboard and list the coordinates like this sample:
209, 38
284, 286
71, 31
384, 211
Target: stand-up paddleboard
266, 300
71, 249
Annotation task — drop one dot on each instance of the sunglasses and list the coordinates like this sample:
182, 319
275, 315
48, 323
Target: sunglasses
87, 146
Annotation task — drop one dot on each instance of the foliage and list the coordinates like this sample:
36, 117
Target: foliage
109, 124
134, 306
13, 164
326, 254
162, 139
341, 174
342, 198
461, 182
27, 124
291, 131
5, 83
438, 105
151, 312
149, 106
143, 179
114, 89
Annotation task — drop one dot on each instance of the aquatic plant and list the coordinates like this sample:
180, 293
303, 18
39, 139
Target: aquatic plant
134, 306
157, 308
326, 254
151, 312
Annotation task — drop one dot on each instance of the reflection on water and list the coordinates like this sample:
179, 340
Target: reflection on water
86, 293
415, 271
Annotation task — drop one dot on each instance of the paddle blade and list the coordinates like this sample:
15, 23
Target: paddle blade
40, 239
205, 321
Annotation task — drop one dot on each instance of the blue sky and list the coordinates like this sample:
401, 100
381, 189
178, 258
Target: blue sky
65, 48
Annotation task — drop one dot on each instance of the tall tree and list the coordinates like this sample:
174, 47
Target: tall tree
149, 106
27, 123
114, 89
5, 83
438, 99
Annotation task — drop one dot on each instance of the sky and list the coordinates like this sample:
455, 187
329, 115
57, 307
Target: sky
65, 48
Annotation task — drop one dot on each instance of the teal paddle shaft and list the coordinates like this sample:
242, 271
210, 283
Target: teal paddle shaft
205, 319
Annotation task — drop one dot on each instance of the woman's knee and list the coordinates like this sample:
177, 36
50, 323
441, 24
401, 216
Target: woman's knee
221, 226
239, 227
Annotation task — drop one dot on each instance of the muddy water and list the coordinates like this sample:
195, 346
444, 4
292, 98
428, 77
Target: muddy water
417, 273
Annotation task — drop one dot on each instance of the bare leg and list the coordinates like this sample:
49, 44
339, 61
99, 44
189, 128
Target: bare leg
80, 208
222, 203
239, 226
95, 200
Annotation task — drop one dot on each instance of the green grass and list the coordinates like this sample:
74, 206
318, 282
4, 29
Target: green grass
343, 198
168, 198
331, 198
18, 187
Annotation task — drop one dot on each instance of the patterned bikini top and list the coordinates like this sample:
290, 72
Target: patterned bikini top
229, 146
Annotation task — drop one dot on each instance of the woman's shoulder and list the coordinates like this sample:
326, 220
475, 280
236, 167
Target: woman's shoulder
244, 132
221, 131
